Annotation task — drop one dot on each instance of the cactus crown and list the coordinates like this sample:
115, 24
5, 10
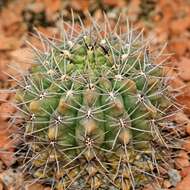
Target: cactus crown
94, 104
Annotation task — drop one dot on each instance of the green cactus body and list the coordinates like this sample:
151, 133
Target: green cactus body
94, 103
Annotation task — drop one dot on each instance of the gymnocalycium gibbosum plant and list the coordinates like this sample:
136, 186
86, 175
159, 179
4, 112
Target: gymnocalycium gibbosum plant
94, 105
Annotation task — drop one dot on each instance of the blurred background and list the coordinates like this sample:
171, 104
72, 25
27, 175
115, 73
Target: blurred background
165, 21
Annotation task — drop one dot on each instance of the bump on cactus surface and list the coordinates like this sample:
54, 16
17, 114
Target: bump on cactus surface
94, 108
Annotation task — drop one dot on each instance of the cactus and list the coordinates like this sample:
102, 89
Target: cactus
94, 104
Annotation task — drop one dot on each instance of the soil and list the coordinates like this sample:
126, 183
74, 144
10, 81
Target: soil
162, 20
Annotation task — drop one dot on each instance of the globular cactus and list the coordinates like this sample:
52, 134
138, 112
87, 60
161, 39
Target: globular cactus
94, 104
